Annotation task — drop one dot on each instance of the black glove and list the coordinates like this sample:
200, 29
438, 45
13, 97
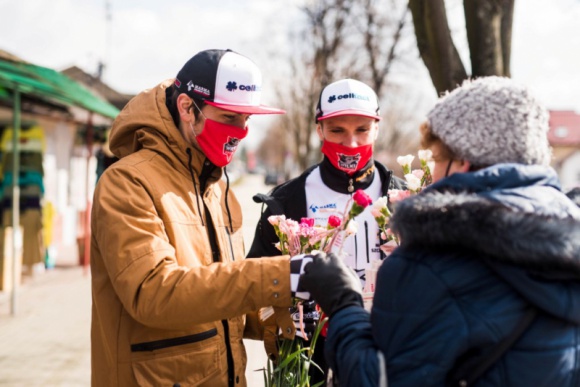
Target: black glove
331, 283
310, 317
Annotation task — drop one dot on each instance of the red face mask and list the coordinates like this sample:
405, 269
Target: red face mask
345, 158
219, 141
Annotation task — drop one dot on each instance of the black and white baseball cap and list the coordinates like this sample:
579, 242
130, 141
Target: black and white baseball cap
224, 79
347, 97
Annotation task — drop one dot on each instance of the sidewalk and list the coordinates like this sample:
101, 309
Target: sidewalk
47, 343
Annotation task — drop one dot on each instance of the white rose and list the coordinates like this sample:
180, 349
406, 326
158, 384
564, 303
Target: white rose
351, 228
405, 160
431, 165
413, 182
425, 154
380, 203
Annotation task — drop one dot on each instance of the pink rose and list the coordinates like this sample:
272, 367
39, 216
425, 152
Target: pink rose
389, 247
334, 221
362, 199
396, 195
276, 219
307, 221
418, 173
306, 230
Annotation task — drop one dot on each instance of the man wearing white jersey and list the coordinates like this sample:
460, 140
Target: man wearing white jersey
347, 118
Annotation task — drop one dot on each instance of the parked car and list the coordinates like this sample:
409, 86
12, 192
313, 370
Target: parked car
273, 178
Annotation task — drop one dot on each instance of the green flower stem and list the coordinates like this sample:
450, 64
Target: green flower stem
295, 361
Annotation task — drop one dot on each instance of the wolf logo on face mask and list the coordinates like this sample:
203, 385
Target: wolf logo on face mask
347, 159
219, 141
348, 162
230, 146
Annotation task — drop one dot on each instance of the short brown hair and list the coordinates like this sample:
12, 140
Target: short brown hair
428, 139
171, 95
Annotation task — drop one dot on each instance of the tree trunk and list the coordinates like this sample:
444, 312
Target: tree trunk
435, 44
483, 24
507, 18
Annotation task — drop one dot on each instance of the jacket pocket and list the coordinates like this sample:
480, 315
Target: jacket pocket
187, 366
172, 342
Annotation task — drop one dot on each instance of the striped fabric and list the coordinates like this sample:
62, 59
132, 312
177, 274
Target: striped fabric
297, 264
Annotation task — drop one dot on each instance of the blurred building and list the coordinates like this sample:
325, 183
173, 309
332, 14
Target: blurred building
56, 122
564, 137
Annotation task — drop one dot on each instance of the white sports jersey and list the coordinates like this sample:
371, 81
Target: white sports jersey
321, 202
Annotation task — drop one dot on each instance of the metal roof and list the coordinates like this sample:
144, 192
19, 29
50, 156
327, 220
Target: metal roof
49, 85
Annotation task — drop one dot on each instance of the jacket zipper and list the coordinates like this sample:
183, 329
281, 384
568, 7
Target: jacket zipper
231, 369
173, 342
211, 233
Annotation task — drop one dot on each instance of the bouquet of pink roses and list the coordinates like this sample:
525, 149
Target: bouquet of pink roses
301, 238
305, 237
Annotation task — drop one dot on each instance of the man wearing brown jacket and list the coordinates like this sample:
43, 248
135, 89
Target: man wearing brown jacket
171, 288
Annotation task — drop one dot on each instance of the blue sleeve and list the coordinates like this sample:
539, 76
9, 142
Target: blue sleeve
350, 349
416, 325
416, 321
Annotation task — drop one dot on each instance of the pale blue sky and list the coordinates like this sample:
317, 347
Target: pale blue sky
148, 41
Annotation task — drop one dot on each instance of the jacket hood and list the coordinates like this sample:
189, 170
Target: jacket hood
145, 122
512, 216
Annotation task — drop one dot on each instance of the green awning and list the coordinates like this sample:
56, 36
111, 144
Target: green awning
51, 85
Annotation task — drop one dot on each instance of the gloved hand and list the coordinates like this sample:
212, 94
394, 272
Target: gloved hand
331, 283
310, 317
297, 264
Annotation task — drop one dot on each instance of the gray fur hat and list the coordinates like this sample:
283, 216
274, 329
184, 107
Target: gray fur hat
492, 120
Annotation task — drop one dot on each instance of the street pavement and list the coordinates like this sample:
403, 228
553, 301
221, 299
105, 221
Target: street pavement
47, 342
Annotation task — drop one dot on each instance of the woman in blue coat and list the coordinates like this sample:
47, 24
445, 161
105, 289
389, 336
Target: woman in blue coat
489, 261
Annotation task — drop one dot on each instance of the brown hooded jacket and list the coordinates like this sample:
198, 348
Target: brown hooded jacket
164, 313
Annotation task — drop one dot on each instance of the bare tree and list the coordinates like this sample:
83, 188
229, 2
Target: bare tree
381, 34
488, 24
314, 62
339, 39
386, 44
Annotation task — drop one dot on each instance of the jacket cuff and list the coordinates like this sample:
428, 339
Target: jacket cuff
276, 281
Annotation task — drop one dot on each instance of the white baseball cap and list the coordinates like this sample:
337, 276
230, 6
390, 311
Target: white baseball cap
225, 79
347, 97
